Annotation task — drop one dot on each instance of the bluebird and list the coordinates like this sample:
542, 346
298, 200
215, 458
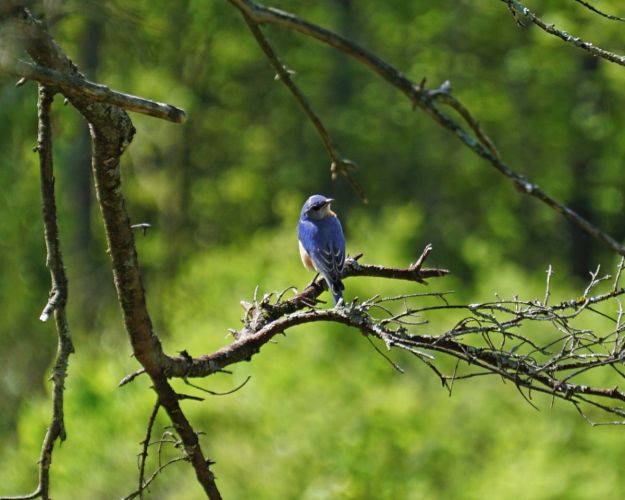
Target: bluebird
321, 242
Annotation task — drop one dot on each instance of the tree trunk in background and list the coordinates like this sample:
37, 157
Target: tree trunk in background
79, 183
583, 167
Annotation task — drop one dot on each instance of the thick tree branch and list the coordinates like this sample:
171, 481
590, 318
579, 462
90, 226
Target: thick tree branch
98, 92
426, 100
111, 132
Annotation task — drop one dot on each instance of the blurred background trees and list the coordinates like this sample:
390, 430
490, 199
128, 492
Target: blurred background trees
322, 416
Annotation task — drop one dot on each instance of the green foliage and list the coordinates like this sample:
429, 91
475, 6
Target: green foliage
323, 416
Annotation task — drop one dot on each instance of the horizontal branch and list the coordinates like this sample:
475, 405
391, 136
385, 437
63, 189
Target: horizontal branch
517, 368
488, 337
98, 92
263, 314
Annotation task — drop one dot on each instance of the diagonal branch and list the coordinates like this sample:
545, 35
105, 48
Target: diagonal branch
518, 7
597, 11
424, 99
98, 92
339, 164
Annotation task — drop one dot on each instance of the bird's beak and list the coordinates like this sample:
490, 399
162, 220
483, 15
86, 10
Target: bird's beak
329, 200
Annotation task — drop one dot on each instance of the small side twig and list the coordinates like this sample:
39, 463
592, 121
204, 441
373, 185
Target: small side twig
144, 451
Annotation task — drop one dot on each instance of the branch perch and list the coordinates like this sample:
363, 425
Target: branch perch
488, 339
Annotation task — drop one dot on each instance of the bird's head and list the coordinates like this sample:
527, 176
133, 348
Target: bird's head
317, 207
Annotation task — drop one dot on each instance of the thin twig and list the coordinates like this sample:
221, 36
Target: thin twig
339, 164
143, 456
563, 35
601, 13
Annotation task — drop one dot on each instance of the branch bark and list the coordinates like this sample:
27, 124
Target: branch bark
518, 8
98, 92
58, 295
111, 132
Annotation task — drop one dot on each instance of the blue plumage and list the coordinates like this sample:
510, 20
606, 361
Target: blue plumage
321, 241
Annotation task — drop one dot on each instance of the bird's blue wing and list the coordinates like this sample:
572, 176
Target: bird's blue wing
328, 249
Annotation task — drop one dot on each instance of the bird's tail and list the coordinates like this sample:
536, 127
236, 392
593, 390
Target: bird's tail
336, 288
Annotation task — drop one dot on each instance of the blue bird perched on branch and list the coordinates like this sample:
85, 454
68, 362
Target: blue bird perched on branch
321, 242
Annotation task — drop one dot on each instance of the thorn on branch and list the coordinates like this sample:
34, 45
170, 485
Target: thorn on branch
288, 71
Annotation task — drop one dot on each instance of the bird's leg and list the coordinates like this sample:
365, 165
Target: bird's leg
313, 280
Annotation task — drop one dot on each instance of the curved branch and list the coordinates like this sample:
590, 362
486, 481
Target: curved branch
520, 368
426, 100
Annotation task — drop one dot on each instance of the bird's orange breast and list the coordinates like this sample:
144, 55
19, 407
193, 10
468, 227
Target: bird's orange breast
306, 260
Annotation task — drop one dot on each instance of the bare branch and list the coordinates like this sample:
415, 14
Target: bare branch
339, 164
601, 13
518, 7
424, 99
111, 133
58, 294
97, 92
490, 340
